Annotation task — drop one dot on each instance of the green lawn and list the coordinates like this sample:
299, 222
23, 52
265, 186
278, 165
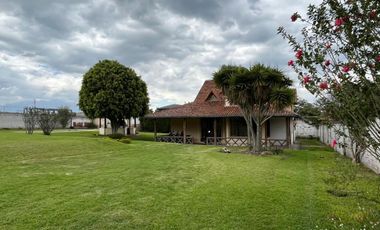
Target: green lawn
79, 180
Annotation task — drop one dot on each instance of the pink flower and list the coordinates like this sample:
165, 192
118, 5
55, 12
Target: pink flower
323, 85
327, 62
339, 22
290, 63
306, 79
333, 143
345, 69
294, 17
299, 54
328, 45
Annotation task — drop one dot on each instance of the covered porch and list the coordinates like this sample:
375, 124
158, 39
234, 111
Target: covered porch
226, 131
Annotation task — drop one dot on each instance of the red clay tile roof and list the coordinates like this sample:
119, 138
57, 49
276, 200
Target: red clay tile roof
203, 108
208, 87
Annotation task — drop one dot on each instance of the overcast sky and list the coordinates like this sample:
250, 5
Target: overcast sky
46, 46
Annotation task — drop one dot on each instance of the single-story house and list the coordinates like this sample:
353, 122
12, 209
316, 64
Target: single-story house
210, 119
80, 121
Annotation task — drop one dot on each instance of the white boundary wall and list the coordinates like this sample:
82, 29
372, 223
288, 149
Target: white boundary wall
327, 135
304, 129
11, 120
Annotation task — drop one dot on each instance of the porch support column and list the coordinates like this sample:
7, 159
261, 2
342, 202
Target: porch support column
214, 131
287, 131
100, 122
228, 128
184, 130
155, 129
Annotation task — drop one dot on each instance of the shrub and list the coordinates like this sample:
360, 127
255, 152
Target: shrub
116, 136
125, 140
277, 151
47, 119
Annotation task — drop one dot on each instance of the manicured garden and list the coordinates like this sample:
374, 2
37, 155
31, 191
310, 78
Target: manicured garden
79, 180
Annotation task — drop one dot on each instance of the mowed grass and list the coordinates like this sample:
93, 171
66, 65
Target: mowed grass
82, 181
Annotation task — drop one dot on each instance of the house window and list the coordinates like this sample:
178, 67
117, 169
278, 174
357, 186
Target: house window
238, 127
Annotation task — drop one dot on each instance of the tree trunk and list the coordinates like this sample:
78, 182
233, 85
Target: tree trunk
114, 126
253, 135
124, 128
258, 138
248, 121
356, 153
249, 136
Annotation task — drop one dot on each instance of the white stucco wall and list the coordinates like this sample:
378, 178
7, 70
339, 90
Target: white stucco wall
15, 120
11, 120
80, 120
278, 128
304, 129
108, 131
327, 135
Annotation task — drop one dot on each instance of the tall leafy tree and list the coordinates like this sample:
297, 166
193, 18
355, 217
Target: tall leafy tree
337, 58
141, 102
310, 112
64, 115
259, 91
111, 90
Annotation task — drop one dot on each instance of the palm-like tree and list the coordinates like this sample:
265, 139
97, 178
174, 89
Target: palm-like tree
259, 91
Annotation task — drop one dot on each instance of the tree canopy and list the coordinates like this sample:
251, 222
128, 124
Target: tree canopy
64, 115
311, 113
338, 60
111, 90
259, 91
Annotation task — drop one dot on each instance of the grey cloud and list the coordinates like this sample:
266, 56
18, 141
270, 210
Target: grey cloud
208, 10
175, 45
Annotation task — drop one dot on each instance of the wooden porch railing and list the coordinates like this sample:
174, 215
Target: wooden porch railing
243, 141
174, 139
274, 142
231, 141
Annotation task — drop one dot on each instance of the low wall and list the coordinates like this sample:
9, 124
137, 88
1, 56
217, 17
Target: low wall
304, 129
108, 131
327, 135
11, 120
